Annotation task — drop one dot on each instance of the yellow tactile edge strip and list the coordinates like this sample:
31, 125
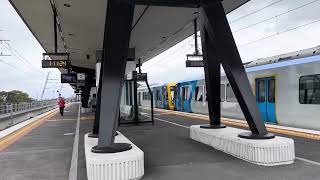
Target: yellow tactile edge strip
16, 135
244, 124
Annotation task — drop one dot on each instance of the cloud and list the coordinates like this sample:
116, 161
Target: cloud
22, 76
174, 69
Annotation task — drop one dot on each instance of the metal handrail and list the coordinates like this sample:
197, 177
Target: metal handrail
10, 109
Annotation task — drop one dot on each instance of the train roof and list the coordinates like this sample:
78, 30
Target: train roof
284, 57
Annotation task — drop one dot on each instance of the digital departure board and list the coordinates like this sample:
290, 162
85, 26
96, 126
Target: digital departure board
193, 63
55, 63
68, 78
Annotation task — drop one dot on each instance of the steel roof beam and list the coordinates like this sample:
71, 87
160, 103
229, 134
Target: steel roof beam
174, 3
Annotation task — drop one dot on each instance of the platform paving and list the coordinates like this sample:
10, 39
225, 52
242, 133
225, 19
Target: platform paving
45, 153
306, 148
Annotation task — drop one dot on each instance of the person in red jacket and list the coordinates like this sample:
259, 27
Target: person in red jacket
61, 104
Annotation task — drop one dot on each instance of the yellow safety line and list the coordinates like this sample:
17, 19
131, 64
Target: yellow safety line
16, 135
244, 124
87, 118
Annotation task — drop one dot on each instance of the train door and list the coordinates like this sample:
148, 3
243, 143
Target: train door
177, 95
165, 97
185, 96
158, 98
171, 97
265, 97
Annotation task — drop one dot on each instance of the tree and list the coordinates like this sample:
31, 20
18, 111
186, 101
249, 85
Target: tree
14, 96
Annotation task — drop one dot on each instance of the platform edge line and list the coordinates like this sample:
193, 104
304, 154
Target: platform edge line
73, 172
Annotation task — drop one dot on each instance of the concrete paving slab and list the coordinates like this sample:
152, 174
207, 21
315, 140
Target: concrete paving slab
44, 153
171, 154
306, 148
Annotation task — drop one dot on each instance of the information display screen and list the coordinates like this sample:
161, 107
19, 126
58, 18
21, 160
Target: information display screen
193, 63
68, 78
55, 63
142, 76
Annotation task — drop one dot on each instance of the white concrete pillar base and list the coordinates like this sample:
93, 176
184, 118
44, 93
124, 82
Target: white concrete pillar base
269, 152
127, 165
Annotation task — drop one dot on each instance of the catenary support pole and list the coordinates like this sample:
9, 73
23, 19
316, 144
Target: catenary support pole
116, 44
216, 24
211, 64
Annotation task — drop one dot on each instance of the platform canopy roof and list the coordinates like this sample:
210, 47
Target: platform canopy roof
154, 30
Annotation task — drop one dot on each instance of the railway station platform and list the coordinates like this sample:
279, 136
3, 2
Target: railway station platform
45, 149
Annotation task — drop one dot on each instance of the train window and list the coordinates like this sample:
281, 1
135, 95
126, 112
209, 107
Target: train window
261, 91
230, 94
185, 93
205, 93
198, 93
158, 95
309, 89
146, 96
223, 93
271, 91
166, 95
172, 90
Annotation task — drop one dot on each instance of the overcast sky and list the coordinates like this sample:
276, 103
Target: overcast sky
19, 75
169, 66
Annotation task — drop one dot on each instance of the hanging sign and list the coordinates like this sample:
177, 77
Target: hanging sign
190, 63
68, 78
142, 76
194, 60
55, 63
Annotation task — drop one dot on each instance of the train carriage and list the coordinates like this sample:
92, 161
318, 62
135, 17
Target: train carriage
286, 87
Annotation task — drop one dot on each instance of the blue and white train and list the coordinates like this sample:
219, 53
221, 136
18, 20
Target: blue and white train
287, 90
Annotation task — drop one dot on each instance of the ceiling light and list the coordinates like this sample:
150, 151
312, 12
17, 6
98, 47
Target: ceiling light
67, 5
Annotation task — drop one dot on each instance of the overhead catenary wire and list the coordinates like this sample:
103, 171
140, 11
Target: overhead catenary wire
233, 21
281, 32
265, 20
256, 11
165, 58
3, 62
274, 17
25, 59
22, 59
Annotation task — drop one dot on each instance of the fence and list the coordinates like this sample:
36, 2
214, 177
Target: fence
9, 110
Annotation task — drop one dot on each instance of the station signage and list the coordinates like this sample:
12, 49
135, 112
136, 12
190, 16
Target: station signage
193, 63
142, 77
55, 64
69, 78
81, 77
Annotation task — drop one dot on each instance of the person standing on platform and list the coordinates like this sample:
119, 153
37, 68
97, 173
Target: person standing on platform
61, 104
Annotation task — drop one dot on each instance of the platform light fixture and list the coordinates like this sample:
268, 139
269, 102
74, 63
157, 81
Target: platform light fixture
67, 5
